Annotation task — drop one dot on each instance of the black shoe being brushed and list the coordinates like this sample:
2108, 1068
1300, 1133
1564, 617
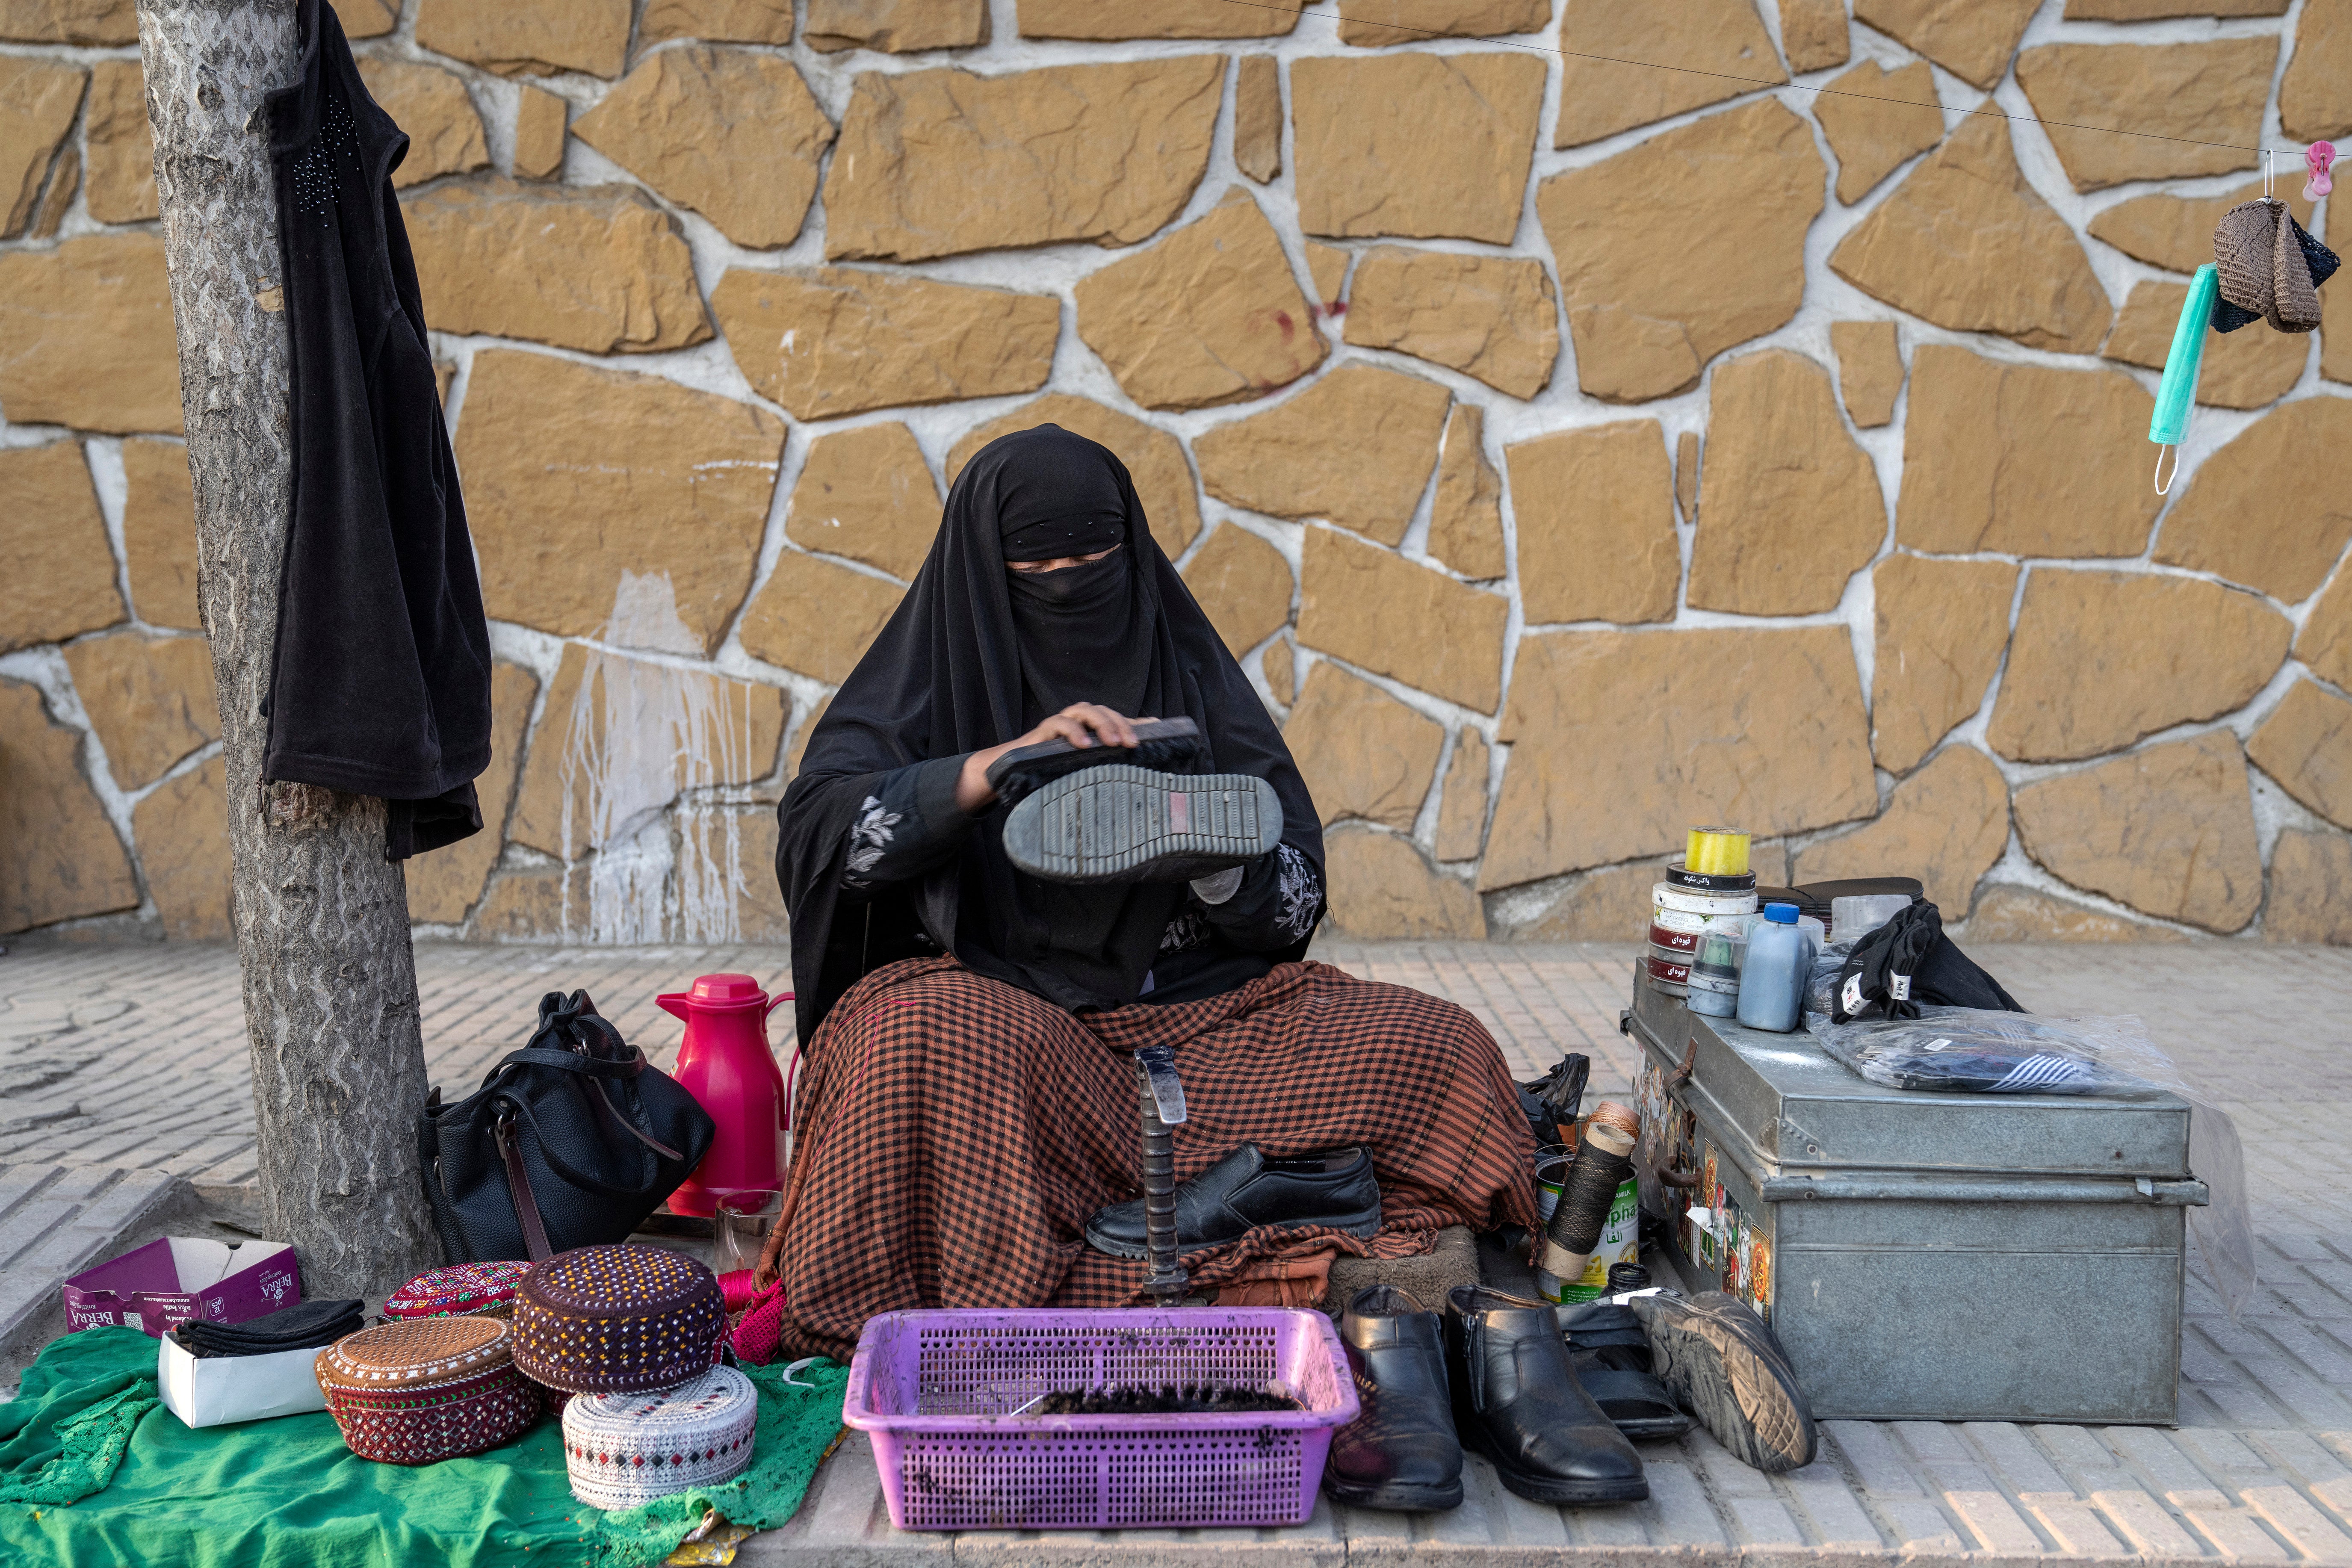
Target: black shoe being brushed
1518, 1401
1400, 1453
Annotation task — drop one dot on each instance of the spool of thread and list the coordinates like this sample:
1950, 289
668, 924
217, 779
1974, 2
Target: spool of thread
1604, 1157
735, 1287
1624, 1276
1716, 852
1609, 1113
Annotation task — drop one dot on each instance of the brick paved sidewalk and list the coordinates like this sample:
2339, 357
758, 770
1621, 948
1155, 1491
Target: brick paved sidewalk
131, 1061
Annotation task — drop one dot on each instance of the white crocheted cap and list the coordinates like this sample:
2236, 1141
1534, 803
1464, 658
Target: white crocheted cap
623, 1450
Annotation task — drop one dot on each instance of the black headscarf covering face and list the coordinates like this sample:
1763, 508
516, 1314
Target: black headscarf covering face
975, 656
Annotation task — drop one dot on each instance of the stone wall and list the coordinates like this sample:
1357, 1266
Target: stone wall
1570, 450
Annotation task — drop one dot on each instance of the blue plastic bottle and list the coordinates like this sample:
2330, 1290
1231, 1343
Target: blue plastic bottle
1772, 985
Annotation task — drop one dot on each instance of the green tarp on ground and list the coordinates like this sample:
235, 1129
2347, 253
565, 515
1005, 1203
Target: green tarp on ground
286, 1493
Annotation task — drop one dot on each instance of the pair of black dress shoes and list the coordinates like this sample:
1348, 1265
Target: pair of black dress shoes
1495, 1374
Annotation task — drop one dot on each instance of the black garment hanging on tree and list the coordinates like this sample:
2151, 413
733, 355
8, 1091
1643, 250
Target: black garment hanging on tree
976, 656
380, 681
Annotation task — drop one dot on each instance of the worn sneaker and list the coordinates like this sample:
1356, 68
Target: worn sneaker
1725, 1365
1121, 823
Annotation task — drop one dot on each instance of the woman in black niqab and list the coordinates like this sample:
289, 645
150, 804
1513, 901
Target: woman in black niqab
880, 860
968, 1098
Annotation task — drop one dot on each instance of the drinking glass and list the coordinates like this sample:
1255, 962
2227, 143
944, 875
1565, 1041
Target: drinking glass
738, 1230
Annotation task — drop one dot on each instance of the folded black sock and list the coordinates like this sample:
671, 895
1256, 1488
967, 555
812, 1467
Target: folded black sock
305, 1325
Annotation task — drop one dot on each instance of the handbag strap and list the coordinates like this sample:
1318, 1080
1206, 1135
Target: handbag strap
525, 1203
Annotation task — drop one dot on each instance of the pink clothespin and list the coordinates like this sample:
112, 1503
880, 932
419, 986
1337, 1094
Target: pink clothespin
2318, 157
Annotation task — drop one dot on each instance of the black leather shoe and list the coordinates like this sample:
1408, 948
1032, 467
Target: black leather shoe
1246, 1189
1722, 1362
1516, 1400
1610, 1352
1400, 1453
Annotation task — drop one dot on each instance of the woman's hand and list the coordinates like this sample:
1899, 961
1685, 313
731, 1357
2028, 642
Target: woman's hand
1082, 724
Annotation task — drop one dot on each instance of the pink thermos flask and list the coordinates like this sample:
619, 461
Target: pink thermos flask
726, 1065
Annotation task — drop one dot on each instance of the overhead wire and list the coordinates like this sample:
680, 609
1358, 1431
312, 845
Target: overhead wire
1985, 107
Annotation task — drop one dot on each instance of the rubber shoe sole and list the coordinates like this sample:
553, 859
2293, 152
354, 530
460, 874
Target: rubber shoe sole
1719, 1360
1553, 1489
1394, 1497
1121, 823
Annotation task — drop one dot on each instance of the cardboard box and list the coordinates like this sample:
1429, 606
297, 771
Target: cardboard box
179, 1278
213, 1391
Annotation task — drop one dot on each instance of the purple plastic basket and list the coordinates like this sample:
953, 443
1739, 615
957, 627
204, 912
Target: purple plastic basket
937, 1391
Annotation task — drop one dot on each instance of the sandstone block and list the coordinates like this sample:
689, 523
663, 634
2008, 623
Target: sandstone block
1719, 48
2241, 370
2259, 511
445, 129
1155, 460
895, 26
726, 857
149, 701
369, 18
2315, 94
2336, 341
1946, 825
1327, 268
2006, 913
1363, 752
1813, 35
445, 883
65, 181
595, 268
1797, 507
1257, 118
867, 494
1971, 38
1891, 118
2307, 745
1965, 243
1211, 314
1243, 586
96, 22
2326, 641
159, 533
2101, 659
1462, 811
1611, 904
1415, 146
59, 858
1383, 889
183, 832
733, 134
38, 100
1596, 517
935, 163
85, 336
615, 505
1356, 448
2176, 232
621, 737
1941, 627
2311, 889
1110, 19
1492, 316
815, 618
1671, 252
536, 903
2022, 460
53, 550
2169, 831
2155, 10
1374, 24
724, 21
1375, 609
1686, 467
829, 341
532, 38
2185, 96
1620, 741
1870, 370
540, 118
1280, 666
1466, 520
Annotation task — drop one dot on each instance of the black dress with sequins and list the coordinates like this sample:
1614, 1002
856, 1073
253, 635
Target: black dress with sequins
380, 681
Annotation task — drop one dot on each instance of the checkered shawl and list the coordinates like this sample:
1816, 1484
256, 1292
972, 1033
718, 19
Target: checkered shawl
956, 1134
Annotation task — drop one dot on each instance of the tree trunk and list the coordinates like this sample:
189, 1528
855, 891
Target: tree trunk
321, 917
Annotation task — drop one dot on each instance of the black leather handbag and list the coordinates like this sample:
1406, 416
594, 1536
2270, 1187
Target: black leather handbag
571, 1141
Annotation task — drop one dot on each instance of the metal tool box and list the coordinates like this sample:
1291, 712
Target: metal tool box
1937, 1256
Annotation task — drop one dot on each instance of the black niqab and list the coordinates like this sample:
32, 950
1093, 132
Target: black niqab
976, 656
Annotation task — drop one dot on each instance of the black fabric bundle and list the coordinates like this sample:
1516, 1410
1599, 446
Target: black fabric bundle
1909, 963
305, 1325
1552, 1102
976, 656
